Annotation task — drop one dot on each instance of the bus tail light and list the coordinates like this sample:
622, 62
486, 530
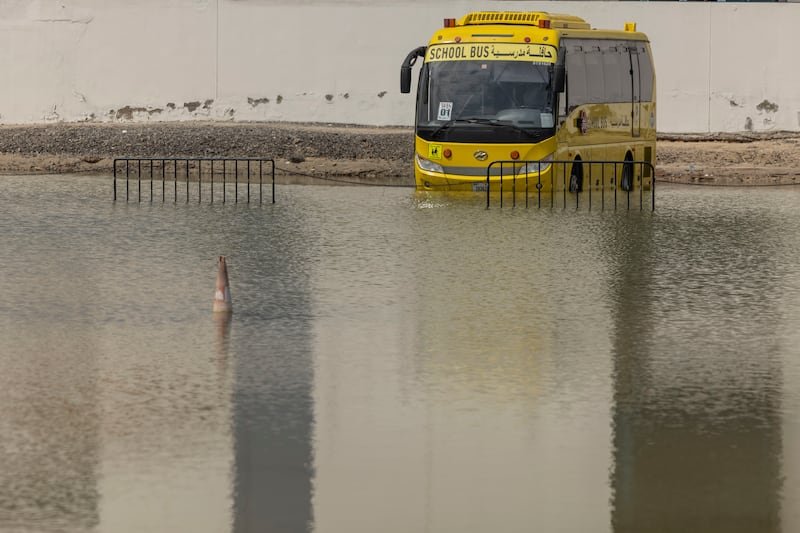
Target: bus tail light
447, 153
514, 155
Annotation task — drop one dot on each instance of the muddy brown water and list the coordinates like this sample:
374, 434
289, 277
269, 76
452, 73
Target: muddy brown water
398, 362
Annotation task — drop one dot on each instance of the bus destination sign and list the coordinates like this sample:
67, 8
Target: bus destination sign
492, 52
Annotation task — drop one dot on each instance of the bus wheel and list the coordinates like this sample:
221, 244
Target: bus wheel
576, 177
626, 182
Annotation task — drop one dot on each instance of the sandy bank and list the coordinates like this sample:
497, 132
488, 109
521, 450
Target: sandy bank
356, 153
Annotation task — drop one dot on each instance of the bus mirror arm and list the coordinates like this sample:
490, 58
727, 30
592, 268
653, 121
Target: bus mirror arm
405, 69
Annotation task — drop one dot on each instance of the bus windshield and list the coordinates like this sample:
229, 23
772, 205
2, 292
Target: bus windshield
485, 101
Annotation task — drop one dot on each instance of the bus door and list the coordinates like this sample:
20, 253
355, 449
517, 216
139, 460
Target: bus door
636, 92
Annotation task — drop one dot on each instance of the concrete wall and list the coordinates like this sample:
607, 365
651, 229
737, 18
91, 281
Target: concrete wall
720, 66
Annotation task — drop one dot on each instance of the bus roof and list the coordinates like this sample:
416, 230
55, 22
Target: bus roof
532, 21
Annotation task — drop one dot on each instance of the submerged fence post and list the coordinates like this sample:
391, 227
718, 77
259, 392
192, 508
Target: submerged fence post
501, 185
163, 181
539, 184
603, 187
591, 185
653, 189
526, 186
514, 185
487, 185
127, 178
187, 181
641, 187
151, 181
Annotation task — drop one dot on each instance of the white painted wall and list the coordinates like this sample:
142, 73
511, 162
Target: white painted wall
338, 61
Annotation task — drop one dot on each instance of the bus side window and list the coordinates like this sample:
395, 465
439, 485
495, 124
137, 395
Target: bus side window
646, 74
596, 89
616, 75
562, 105
576, 80
625, 73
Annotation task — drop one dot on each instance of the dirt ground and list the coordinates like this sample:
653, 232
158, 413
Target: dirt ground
755, 159
343, 153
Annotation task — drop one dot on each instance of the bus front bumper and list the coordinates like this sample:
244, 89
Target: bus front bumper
476, 180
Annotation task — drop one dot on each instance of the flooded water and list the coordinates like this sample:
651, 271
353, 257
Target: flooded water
398, 363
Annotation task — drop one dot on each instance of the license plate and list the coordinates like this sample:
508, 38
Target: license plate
479, 186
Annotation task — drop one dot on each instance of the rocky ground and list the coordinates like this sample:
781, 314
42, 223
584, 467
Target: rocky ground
730, 159
354, 153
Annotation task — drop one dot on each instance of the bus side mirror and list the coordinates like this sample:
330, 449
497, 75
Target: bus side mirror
405, 69
559, 78
405, 79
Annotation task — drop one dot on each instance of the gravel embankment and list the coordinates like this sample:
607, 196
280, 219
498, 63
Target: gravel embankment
356, 153
362, 153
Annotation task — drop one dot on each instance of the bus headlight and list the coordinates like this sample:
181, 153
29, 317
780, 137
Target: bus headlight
428, 166
534, 167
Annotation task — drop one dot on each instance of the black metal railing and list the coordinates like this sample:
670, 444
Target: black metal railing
571, 182
201, 171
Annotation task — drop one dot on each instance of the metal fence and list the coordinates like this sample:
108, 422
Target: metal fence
562, 184
202, 173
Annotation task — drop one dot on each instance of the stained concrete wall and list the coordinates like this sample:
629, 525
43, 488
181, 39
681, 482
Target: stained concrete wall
720, 66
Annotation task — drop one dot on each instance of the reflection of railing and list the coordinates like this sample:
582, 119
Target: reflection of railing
563, 180
193, 169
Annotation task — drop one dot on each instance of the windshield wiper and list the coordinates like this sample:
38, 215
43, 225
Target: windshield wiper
502, 124
447, 124
483, 121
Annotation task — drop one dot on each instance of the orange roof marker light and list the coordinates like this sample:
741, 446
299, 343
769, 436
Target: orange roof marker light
538, 19
449, 23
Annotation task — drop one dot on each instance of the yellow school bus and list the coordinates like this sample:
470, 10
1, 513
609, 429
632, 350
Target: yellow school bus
538, 88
